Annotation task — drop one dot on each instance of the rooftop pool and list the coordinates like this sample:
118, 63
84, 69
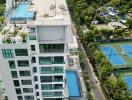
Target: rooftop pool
73, 84
22, 13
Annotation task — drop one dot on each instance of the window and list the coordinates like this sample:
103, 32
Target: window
37, 93
23, 63
18, 91
25, 73
14, 74
32, 47
59, 60
35, 69
27, 90
45, 70
51, 48
45, 60
6, 98
36, 86
46, 78
16, 83
35, 78
26, 82
33, 60
21, 52
12, 64
19, 97
7, 53
29, 97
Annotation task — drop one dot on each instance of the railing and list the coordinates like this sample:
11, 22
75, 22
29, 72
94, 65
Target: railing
52, 50
52, 94
50, 62
53, 88
52, 72
32, 36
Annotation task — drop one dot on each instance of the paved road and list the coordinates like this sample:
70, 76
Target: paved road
97, 91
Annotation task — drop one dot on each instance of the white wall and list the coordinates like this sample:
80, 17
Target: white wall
7, 79
51, 33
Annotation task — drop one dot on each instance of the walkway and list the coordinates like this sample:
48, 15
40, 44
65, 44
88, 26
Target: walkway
97, 91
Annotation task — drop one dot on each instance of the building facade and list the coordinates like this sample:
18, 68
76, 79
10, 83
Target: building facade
35, 50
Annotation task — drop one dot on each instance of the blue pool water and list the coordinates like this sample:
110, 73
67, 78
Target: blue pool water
127, 49
22, 13
128, 80
112, 55
73, 84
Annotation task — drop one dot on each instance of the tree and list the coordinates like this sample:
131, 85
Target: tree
1, 20
129, 23
119, 33
106, 33
24, 36
3, 33
15, 32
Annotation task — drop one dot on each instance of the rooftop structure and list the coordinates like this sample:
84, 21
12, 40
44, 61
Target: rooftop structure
116, 25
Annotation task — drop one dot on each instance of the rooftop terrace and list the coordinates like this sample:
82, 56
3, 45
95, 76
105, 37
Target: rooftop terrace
50, 12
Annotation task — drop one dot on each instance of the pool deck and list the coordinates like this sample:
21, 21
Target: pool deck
76, 67
117, 47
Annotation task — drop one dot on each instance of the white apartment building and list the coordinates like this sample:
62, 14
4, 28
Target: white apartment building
34, 67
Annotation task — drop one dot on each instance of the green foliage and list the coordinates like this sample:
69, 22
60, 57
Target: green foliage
117, 88
81, 12
24, 36
123, 5
129, 23
2, 1
1, 19
2, 9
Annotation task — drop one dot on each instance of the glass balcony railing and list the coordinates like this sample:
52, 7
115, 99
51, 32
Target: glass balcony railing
52, 94
58, 80
52, 88
51, 60
32, 36
52, 72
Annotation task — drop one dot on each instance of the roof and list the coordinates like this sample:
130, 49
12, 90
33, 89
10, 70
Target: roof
50, 12
117, 24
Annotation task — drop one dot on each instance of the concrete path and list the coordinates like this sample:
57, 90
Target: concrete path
97, 91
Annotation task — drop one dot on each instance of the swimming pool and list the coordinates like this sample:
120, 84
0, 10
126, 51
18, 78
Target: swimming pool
112, 55
73, 84
22, 13
128, 80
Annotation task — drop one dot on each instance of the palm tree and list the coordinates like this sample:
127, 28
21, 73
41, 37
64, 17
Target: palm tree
24, 36
1, 20
3, 33
15, 32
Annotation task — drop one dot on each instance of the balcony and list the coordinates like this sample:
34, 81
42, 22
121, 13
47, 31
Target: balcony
32, 36
52, 94
51, 70
47, 79
51, 60
51, 87
51, 48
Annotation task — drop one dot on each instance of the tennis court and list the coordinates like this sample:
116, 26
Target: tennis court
112, 55
128, 81
127, 49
